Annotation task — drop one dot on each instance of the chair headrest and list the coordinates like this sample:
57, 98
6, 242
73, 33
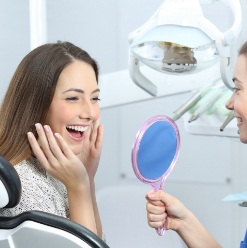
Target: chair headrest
10, 184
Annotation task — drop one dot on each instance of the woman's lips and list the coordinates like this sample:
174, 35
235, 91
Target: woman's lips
76, 132
239, 121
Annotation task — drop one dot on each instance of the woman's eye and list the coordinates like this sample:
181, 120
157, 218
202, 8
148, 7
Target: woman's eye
95, 99
235, 89
71, 98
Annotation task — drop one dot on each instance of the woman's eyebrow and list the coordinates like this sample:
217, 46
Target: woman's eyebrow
74, 89
96, 90
80, 90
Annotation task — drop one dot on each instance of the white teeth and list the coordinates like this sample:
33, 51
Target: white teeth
239, 119
78, 128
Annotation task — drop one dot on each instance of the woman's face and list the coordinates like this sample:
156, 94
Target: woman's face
74, 108
238, 100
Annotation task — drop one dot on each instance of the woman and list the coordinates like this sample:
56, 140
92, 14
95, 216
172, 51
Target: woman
50, 132
162, 206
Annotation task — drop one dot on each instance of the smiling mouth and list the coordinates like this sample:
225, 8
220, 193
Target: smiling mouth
76, 131
239, 120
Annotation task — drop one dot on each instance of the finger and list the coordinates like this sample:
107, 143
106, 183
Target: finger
99, 139
156, 224
152, 197
156, 218
96, 124
151, 208
44, 144
94, 131
53, 145
64, 146
160, 196
156, 203
87, 133
39, 154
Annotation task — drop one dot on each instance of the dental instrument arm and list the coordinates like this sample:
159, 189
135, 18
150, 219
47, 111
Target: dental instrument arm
191, 101
229, 118
205, 106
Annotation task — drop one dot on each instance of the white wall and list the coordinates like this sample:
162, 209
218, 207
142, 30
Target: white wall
208, 169
14, 42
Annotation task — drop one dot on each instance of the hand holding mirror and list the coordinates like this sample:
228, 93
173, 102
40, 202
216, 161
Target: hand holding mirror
155, 151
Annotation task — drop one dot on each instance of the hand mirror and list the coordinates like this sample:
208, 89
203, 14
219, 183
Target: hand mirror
155, 152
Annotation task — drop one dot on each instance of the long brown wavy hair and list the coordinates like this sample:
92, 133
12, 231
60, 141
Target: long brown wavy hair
30, 94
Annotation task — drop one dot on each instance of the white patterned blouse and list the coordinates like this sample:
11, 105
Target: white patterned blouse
40, 191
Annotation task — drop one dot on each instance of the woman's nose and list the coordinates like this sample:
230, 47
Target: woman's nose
88, 111
229, 103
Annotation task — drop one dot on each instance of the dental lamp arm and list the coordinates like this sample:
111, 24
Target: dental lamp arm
228, 38
229, 118
138, 78
233, 32
225, 71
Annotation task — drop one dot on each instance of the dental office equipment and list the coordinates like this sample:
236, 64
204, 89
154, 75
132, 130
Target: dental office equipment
38, 23
229, 118
243, 204
191, 101
178, 40
207, 104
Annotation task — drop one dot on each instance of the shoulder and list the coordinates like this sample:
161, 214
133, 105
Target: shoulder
39, 190
30, 169
34, 177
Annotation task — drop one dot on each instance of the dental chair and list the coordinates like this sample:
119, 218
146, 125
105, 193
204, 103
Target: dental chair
36, 228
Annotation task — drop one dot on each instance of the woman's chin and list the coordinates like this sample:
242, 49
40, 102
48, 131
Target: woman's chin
243, 139
76, 150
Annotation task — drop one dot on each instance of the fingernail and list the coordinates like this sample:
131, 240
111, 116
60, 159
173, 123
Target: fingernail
37, 125
57, 135
151, 195
47, 129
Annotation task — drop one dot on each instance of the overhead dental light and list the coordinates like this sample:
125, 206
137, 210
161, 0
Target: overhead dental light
178, 40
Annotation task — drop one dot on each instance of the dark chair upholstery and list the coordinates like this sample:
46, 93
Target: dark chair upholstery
11, 184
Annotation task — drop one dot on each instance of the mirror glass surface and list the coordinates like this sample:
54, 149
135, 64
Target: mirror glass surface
155, 149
